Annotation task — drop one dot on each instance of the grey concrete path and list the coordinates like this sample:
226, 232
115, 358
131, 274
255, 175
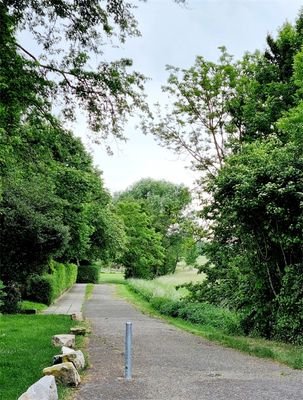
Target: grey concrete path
70, 303
170, 364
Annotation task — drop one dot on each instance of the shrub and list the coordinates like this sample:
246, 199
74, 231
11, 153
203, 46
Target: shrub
213, 316
62, 276
88, 274
12, 299
46, 288
2, 294
289, 319
39, 288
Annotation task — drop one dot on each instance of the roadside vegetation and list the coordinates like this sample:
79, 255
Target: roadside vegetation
160, 298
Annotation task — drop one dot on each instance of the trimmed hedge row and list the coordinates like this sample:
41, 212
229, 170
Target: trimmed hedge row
88, 274
47, 288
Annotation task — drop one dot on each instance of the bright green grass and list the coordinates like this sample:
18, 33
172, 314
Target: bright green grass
111, 277
287, 354
25, 349
31, 305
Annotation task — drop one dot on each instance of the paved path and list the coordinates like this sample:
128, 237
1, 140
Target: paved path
170, 364
70, 303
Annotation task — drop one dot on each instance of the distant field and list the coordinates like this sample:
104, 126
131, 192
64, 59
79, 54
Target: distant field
111, 277
165, 286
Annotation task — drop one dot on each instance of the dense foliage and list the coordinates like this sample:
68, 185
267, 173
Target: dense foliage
66, 36
252, 178
53, 205
48, 287
162, 205
144, 255
88, 274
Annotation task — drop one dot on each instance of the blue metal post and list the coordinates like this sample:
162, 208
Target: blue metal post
128, 351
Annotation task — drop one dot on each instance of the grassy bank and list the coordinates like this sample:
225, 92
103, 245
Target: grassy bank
160, 298
25, 349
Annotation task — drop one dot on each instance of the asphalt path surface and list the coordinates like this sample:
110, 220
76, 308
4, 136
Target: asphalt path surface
169, 364
70, 302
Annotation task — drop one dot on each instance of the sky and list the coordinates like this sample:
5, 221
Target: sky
174, 34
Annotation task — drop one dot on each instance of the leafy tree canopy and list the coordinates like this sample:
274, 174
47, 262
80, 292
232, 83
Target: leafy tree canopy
166, 205
145, 253
67, 35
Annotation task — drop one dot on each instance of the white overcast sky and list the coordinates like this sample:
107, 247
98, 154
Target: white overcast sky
175, 35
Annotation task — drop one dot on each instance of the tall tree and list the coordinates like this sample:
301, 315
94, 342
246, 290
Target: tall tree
144, 255
197, 123
165, 203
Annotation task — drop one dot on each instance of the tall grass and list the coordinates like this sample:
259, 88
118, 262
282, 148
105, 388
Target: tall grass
166, 286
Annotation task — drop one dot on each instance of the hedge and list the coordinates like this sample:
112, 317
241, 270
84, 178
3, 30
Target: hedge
47, 288
88, 274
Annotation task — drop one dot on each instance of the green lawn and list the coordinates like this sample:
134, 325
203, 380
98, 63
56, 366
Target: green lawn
111, 277
25, 349
31, 305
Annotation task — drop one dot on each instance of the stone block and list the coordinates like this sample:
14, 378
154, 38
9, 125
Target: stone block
69, 355
44, 389
64, 373
63, 340
78, 330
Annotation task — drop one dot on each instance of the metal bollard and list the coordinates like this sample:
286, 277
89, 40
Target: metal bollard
128, 351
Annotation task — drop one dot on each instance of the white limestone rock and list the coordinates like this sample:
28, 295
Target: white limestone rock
77, 316
64, 373
44, 389
63, 340
70, 355
66, 350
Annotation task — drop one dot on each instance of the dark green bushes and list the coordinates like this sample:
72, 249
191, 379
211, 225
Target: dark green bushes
289, 317
88, 274
39, 289
2, 293
46, 288
12, 298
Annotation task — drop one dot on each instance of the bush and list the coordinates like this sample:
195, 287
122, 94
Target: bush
88, 274
12, 298
46, 288
213, 316
39, 288
289, 319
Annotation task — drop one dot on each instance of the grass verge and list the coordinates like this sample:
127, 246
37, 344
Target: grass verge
89, 291
287, 354
25, 349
